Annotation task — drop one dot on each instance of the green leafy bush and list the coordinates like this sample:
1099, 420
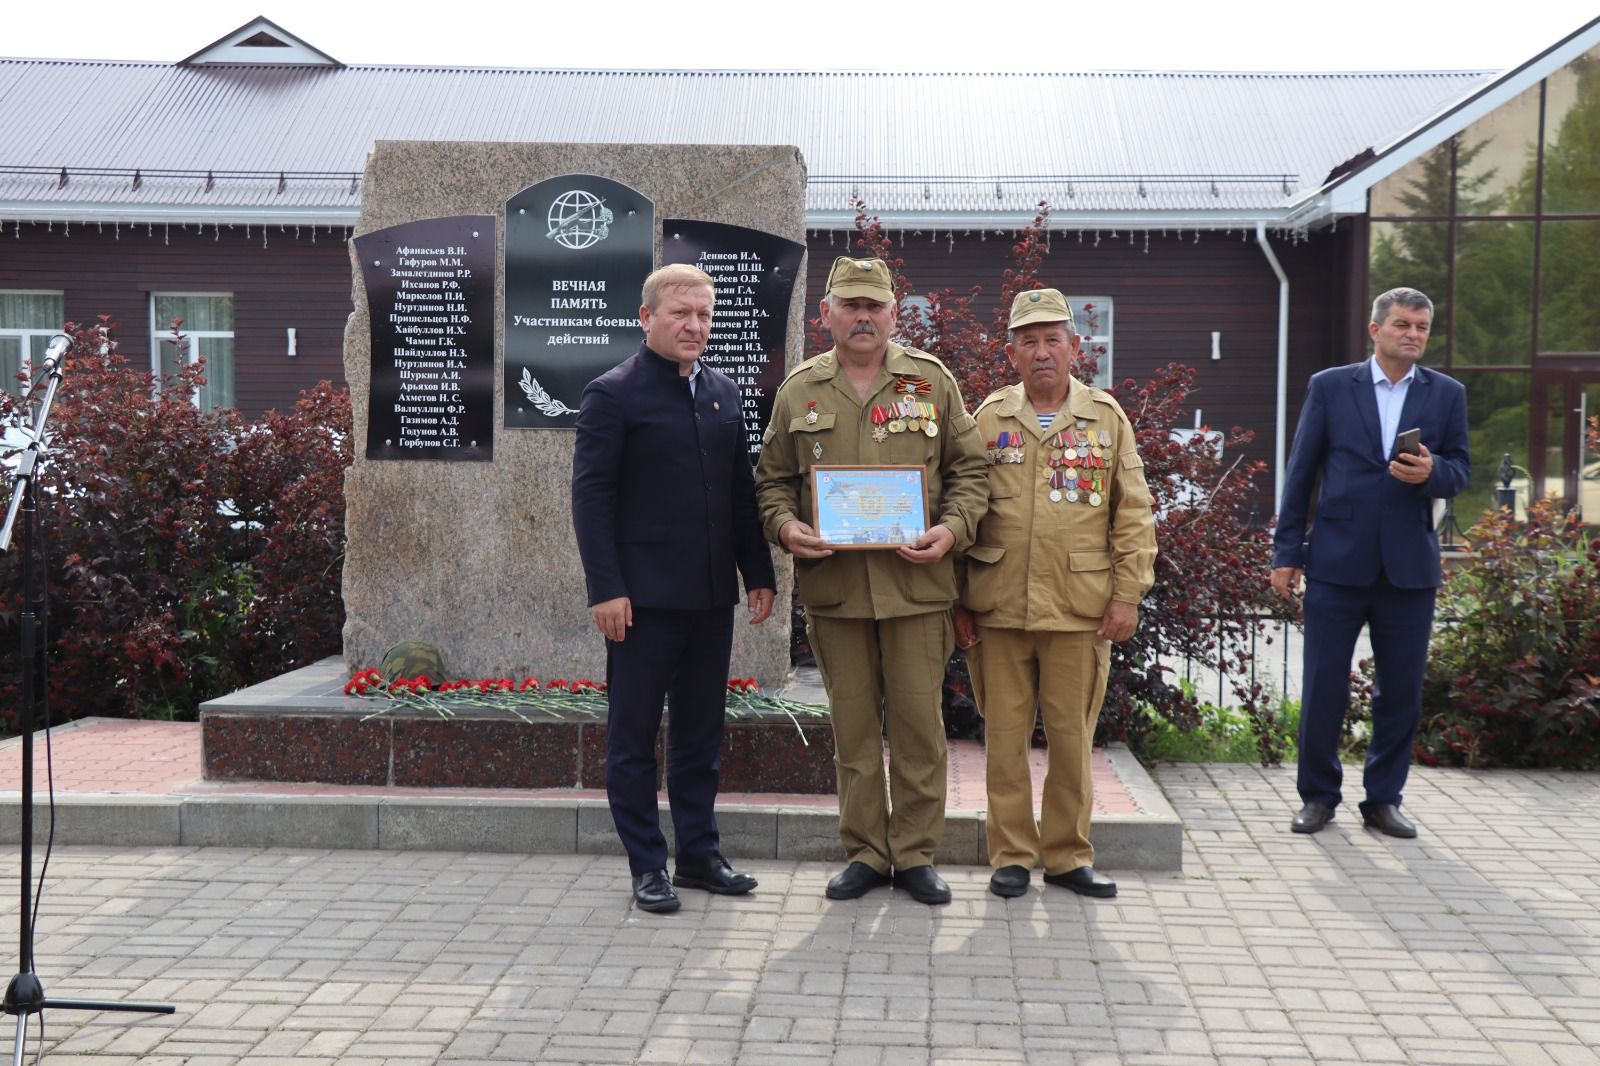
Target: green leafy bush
1514, 675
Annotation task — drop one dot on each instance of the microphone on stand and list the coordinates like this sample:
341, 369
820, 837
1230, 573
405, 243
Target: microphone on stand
54, 351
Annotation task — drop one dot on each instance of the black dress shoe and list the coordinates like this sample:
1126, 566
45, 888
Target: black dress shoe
1085, 882
1387, 819
1311, 819
856, 881
1009, 881
923, 884
651, 892
713, 874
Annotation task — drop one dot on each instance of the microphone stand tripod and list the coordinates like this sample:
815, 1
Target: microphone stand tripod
25, 995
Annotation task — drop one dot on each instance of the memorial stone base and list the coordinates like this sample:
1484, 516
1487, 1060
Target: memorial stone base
301, 727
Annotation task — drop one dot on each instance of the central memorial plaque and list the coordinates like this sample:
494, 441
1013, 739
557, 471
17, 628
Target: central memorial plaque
578, 247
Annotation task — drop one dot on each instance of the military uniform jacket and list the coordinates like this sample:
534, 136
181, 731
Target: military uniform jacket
871, 583
1042, 564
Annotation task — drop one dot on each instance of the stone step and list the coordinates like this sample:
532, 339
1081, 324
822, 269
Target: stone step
121, 782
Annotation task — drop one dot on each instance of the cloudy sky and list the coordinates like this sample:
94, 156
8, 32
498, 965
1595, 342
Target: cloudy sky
926, 35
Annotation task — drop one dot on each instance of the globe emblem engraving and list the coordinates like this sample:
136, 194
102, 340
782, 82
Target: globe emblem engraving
578, 219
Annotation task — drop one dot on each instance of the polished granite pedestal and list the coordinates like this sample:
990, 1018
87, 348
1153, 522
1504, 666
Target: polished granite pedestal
301, 727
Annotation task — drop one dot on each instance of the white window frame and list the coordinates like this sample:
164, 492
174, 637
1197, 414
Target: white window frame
27, 335
161, 333
1105, 307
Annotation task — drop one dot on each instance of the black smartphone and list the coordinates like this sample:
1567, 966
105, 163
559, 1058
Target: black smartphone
1408, 443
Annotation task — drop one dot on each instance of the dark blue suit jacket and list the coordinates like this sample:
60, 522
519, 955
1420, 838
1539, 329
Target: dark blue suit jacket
663, 499
1363, 514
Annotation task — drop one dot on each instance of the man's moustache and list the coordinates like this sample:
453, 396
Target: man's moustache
863, 328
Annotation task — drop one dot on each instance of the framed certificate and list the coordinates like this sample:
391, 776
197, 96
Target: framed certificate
869, 506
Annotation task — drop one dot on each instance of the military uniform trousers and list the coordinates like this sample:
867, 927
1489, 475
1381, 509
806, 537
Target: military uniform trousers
887, 676
1063, 674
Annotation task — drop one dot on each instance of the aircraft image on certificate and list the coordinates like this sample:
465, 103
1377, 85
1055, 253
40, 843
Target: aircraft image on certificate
869, 506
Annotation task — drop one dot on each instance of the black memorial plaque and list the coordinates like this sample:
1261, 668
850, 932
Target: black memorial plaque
578, 247
755, 274
430, 299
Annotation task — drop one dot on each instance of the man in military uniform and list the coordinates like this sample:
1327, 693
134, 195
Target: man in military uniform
878, 619
1062, 558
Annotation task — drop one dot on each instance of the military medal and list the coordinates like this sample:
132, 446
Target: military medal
931, 428
816, 450
811, 412
897, 426
879, 417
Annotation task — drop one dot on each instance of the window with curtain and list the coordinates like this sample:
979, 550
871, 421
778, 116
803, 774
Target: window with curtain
208, 328
28, 319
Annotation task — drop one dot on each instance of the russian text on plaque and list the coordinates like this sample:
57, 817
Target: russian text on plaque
430, 302
754, 273
578, 248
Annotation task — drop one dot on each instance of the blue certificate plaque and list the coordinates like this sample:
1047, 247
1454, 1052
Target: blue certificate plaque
869, 506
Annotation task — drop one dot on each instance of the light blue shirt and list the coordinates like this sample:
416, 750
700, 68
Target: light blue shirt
694, 372
1045, 420
1391, 397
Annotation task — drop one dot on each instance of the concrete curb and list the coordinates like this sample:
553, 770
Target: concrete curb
1152, 840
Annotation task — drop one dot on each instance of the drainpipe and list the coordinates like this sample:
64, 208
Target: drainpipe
1280, 453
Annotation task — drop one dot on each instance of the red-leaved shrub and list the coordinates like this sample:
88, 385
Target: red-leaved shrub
176, 543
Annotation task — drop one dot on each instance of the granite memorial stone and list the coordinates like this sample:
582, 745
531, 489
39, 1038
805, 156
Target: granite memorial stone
479, 558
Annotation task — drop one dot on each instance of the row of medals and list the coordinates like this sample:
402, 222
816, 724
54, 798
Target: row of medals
1069, 452
907, 416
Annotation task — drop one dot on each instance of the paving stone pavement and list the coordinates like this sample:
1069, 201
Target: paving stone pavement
1477, 943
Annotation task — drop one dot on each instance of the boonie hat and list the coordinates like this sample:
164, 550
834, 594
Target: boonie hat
861, 277
1039, 305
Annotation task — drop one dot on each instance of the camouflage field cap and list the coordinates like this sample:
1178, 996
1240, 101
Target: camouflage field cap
861, 277
1038, 306
411, 658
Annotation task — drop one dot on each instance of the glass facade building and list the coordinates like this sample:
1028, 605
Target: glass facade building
1500, 225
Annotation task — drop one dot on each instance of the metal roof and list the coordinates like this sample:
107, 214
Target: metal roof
270, 144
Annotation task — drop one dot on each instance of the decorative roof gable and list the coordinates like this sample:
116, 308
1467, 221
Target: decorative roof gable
260, 42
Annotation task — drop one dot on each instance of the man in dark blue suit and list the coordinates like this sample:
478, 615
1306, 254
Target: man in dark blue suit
664, 506
1372, 557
